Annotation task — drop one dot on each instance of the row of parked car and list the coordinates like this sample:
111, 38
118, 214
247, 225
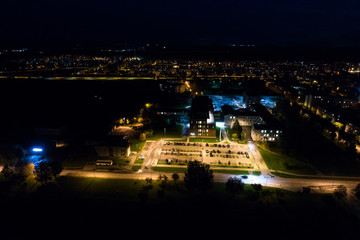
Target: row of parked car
197, 144
229, 152
186, 144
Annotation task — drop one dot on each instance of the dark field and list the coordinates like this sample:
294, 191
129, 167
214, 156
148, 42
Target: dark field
80, 106
84, 207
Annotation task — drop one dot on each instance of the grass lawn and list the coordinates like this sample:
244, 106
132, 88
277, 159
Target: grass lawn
139, 161
169, 169
135, 167
121, 161
80, 203
137, 146
284, 163
234, 172
77, 162
205, 140
177, 140
172, 131
94, 187
227, 166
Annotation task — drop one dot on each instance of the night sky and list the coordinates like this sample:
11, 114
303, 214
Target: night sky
89, 22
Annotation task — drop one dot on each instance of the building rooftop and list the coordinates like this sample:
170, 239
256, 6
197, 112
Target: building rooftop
270, 120
200, 107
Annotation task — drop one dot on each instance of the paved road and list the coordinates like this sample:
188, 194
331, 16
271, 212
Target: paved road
292, 184
224, 137
259, 163
151, 155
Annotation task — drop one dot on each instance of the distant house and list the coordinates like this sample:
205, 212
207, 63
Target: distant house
352, 128
112, 146
173, 115
329, 112
202, 121
172, 87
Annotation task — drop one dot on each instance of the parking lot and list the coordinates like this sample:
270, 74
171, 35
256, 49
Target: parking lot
214, 154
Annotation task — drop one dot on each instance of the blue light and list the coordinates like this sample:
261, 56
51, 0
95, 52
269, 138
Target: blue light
36, 149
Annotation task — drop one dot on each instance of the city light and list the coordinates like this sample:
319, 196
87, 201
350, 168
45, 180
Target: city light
37, 149
220, 124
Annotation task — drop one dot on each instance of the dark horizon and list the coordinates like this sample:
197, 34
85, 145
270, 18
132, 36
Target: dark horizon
261, 23
201, 52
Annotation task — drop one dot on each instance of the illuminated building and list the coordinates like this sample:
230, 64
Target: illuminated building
202, 121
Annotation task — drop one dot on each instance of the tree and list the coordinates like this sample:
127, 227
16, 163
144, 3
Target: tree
144, 193
257, 187
163, 185
23, 167
234, 186
234, 135
198, 176
55, 159
8, 172
340, 192
357, 191
142, 137
55, 167
148, 184
43, 172
237, 128
175, 177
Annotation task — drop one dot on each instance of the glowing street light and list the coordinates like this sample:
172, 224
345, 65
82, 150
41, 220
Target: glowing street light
37, 149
